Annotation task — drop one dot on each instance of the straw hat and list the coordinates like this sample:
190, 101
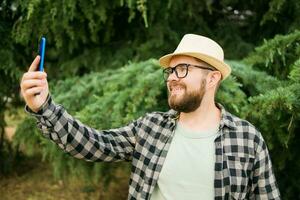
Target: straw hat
202, 48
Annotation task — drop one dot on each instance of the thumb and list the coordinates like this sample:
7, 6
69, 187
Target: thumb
34, 64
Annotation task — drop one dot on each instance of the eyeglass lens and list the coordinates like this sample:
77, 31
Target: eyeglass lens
180, 71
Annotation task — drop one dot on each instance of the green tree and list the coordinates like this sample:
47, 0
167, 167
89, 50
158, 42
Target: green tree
276, 109
9, 78
85, 36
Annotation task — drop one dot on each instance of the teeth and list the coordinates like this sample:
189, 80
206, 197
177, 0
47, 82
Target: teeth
175, 88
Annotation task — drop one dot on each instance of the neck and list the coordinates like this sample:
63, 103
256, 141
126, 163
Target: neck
206, 116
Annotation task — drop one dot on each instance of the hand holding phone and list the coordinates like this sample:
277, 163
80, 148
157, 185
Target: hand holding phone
34, 84
42, 48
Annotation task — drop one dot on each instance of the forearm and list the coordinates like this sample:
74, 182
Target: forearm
82, 141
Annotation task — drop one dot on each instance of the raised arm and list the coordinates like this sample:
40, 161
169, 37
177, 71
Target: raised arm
84, 142
68, 133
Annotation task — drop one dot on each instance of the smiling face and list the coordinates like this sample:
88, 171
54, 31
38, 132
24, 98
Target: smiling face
186, 94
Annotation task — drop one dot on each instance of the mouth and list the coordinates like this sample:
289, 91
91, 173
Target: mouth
176, 89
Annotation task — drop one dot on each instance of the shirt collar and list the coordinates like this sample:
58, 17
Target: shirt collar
226, 117
172, 114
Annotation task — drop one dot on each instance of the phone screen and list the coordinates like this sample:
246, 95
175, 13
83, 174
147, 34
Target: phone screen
42, 49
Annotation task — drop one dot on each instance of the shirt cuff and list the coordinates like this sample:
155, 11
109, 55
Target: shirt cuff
46, 109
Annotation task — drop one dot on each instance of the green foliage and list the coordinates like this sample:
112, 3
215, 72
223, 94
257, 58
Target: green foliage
28, 135
277, 55
276, 113
69, 25
8, 90
231, 95
280, 12
276, 110
126, 94
295, 72
81, 21
275, 8
85, 36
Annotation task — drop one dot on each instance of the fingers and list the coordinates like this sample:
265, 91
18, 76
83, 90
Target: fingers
34, 65
33, 91
33, 75
32, 83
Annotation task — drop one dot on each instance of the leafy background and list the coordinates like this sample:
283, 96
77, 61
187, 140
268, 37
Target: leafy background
102, 66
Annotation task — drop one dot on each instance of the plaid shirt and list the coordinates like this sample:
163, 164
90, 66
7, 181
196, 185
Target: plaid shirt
243, 168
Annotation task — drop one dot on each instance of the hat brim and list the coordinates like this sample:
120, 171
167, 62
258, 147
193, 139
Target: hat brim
225, 69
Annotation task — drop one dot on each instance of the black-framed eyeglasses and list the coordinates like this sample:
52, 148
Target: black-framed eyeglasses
181, 70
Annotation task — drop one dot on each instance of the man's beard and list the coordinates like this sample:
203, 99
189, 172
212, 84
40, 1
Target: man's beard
189, 101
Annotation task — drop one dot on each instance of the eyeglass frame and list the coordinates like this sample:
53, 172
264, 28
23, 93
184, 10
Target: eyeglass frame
187, 69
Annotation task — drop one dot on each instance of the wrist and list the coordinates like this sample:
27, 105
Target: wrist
39, 110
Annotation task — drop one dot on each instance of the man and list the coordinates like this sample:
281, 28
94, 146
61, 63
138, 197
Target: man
197, 150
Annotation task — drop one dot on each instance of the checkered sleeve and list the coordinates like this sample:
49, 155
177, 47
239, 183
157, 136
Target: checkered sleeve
81, 141
264, 185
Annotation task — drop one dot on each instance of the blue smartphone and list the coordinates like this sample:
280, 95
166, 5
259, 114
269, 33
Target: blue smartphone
42, 49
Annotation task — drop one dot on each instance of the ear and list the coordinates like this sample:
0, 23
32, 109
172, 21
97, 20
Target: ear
212, 79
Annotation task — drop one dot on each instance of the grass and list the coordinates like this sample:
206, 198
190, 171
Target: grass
34, 181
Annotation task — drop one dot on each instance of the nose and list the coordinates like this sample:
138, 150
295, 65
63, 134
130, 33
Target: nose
172, 77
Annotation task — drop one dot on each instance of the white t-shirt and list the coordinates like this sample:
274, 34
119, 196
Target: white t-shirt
188, 171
